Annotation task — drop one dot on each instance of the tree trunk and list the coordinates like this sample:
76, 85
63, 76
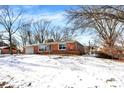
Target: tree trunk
30, 40
10, 40
42, 39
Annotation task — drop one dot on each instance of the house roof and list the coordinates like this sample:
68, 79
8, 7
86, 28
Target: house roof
6, 47
62, 42
32, 45
59, 42
3, 47
3, 44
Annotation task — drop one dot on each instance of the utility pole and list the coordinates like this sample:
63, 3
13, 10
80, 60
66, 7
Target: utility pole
89, 48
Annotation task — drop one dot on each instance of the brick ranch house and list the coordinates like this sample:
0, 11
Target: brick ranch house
68, 47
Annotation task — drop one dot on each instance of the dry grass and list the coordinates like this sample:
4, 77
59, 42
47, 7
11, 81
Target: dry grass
3, 85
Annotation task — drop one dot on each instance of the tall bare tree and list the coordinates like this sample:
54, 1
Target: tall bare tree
10, 21
68, 33
117, 12
107, 28
23, 35
56, 33
41, 29
120, 40
62, 34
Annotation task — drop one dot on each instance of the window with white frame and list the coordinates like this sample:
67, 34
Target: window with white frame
62, 46
42, 48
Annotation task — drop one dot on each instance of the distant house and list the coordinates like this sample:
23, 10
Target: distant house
5, 50
68, 47
3, 44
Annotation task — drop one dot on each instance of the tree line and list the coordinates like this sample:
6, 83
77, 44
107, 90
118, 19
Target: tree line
106, 21
29, 32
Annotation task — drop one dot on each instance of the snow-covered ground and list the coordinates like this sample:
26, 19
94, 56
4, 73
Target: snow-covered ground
52, 71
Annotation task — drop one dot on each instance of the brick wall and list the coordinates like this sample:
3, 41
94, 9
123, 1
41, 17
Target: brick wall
6, 51
70, 49
36, 50
71, 46
54, 47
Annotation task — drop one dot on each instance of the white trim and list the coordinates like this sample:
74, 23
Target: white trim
3, 47
31, 45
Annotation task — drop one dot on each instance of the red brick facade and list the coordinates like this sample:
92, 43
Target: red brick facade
6, 51
36, 50
54, 47
71, 48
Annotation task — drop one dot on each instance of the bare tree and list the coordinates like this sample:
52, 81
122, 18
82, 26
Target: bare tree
117, 12
107, 28
37, 38
62, 34
23, 35
56, 33
68, 33
120, 40
29, 34
41, 29
44, 30
1, 37
10, 21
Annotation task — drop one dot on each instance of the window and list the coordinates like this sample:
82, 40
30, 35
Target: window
62, 46
43, 48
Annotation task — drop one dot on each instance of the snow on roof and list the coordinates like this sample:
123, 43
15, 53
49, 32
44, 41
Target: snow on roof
63, 42
51, 43
3, 47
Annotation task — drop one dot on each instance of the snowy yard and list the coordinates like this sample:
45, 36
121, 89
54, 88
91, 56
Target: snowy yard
44, 71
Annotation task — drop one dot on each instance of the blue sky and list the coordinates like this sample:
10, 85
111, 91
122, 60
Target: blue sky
56, 13
37, 9
51, 12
